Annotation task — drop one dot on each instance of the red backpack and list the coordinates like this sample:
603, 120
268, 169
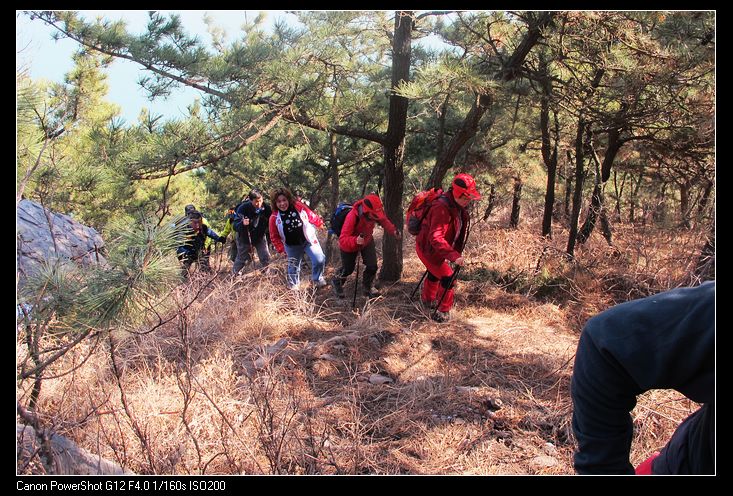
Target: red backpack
418, 209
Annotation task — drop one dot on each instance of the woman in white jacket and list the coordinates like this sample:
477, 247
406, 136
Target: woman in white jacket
293, 231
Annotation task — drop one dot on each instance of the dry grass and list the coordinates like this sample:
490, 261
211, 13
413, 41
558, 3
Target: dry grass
251, 378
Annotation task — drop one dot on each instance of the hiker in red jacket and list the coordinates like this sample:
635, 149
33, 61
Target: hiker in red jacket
356, 237
441, 240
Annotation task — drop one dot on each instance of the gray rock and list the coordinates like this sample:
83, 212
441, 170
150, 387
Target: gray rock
379, 379
540, 462
68, 457
35, 244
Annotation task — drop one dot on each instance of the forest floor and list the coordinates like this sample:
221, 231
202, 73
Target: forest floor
253, 378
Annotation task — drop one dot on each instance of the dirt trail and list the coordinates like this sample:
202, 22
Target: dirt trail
486, 392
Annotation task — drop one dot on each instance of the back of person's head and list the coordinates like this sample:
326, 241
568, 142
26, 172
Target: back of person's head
189, 208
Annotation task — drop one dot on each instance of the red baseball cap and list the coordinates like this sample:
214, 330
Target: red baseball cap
464, 184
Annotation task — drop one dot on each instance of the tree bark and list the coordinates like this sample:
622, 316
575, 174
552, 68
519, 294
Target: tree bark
619, 191
593, 212
394, 145
633, 196
605, 224
467, 131
568, 187
548, 156
580, 147
516, 198
659, 213
685, 204
702, 206
614, 145
705, 266
334, 199
578, 191
492, 200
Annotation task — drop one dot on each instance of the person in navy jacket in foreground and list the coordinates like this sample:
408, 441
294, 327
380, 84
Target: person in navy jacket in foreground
665, 341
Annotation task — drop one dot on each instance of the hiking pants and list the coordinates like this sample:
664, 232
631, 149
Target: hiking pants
295, 259
188, 256
233, 249
243, 255
436, 283
368, 256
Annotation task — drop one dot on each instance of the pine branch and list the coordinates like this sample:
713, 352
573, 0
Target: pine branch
172, 171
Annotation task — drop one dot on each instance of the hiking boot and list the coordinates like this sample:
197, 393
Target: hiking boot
338, 287
371, 292
441, 316
428, 305
320, 283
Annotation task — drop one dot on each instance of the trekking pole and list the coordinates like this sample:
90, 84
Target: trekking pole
356, 281
418, 284
445, 290
251, 248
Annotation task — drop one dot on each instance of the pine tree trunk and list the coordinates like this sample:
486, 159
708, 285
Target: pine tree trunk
606, 225
568, 187
705, 265
659, 212
548, 156
578, 191
619, 191
685, 205
702, 206
492, 200
467, 131
394, 145
516, 198
334, 199
634, 196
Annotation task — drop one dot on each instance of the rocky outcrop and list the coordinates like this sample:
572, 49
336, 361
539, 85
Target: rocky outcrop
60, 456
71, 240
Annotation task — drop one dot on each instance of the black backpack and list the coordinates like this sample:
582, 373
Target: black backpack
338, 217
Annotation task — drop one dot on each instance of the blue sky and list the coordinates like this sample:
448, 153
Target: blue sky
49, 59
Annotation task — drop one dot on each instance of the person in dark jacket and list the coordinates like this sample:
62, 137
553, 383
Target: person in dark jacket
665, 341
441, 240
194, 248
207, 243
357, 237
251, 223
